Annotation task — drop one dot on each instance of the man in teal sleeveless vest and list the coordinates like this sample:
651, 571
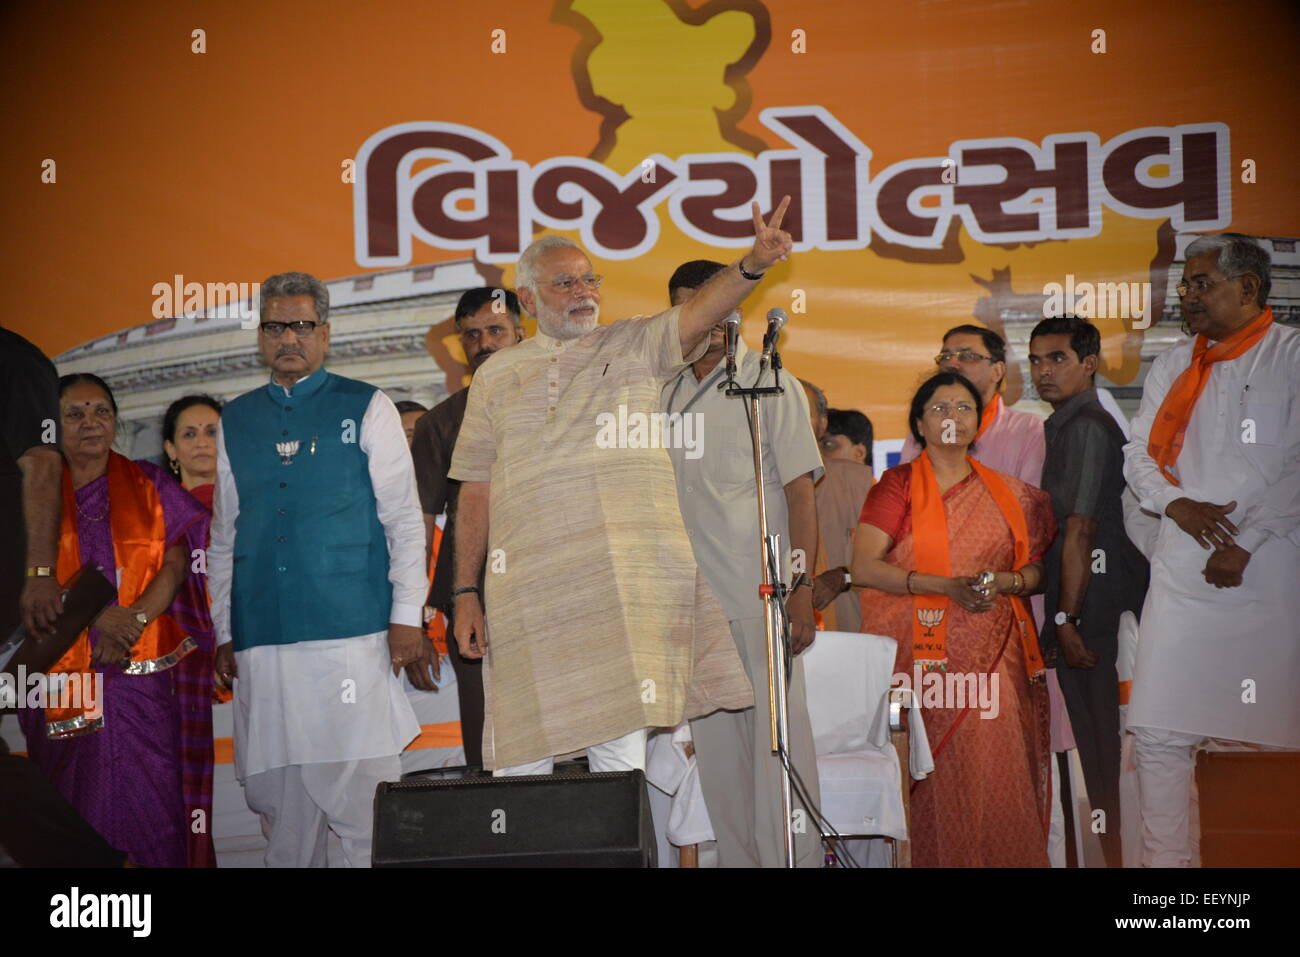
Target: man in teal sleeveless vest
316, 572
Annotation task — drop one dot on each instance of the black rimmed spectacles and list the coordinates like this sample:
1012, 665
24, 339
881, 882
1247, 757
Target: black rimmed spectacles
302, 328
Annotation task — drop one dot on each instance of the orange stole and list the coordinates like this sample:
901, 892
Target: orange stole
930, 541
435, 629
1010, 508
1170, 426
990, 413
139, 533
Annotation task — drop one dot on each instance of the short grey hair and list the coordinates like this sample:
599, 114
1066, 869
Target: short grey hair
526, 268
285, 284
1238, 255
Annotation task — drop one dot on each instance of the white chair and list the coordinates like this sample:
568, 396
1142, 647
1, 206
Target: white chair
854, 716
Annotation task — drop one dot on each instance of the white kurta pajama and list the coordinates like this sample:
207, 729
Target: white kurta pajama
1218, 662
319, 724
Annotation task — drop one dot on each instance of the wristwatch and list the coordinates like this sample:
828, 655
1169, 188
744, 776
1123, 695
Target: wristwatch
40, 571
142, 618
1063, 619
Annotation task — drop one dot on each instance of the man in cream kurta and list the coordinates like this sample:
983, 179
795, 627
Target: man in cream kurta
1218, 661
598, 617
599, 624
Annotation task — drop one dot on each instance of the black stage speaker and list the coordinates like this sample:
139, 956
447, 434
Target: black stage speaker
552, 820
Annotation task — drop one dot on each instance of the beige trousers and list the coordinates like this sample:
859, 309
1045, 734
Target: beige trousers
741, 777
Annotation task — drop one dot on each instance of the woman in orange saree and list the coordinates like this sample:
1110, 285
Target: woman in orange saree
947, 549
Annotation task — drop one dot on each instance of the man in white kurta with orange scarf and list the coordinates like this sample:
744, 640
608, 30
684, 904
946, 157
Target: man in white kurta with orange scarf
1216, 453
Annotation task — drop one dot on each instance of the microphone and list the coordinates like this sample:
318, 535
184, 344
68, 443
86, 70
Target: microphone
732, 329
776, 319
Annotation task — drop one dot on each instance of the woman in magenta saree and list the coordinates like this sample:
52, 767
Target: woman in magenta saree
190, 445
928, 530
120, 765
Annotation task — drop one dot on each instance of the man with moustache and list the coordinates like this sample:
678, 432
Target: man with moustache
1215, 454
601, 625
317, 577
487, 320
1094, 573
740, 777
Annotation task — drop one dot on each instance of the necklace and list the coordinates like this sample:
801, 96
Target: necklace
93, 518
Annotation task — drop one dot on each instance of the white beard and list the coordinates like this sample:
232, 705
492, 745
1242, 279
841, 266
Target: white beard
560, 324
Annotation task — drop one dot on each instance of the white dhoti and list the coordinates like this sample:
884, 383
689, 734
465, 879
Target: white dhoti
1165, 762
301, 803
318, 725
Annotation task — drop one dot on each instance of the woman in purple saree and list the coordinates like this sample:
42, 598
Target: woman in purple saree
121, 765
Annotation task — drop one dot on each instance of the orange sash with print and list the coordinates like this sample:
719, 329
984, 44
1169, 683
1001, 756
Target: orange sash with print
1170, 425
930, 543
139, 535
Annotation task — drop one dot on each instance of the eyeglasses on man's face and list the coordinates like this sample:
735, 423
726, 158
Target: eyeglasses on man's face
964, 356
1200, 285
570, 283
948, 409
302, 328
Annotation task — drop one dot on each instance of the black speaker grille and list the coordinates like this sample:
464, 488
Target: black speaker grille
566, 819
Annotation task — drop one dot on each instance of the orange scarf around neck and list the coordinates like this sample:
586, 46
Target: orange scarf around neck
1170, 425
990, 413
139, 531
930, 541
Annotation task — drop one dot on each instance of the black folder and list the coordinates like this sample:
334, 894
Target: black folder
86, 594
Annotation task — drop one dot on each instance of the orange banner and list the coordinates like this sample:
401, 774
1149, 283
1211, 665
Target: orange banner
949, 162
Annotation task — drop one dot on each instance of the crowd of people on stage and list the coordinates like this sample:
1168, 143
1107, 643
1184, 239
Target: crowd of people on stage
306, 539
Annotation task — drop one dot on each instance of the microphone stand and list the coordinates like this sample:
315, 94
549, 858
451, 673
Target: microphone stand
773, 591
